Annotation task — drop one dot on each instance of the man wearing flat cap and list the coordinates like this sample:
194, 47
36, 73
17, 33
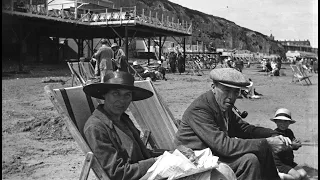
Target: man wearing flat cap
209, 121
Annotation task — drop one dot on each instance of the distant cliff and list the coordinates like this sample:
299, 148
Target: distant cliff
218, 31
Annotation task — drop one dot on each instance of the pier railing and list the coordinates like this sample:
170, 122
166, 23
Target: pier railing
121, 15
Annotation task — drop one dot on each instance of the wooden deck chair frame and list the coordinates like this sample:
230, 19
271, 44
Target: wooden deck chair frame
76, 73
299, 75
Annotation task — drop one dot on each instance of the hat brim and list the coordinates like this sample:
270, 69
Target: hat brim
234, 84
283, 118
97, 90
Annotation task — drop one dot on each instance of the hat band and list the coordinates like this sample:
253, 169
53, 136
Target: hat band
121, 81
283, 114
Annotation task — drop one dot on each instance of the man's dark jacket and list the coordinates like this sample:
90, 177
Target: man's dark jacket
203, 126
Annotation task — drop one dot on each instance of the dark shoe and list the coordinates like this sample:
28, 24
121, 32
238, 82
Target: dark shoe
256, 93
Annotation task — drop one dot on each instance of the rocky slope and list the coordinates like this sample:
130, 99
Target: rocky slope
218, 31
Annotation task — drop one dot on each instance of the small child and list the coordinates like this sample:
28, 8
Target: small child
284, 160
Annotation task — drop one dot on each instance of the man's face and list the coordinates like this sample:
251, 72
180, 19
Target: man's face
117, 101
225, 96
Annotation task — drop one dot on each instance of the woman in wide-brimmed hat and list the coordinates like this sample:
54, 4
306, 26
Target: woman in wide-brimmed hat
109, 131
284, 160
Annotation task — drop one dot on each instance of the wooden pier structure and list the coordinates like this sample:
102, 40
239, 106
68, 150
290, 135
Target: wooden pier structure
89, 19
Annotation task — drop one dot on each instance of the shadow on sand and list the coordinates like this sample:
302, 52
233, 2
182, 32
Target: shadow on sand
312, 173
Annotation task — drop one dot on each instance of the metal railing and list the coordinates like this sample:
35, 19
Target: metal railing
110, 14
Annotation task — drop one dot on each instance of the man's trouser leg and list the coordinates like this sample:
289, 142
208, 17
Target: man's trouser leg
245, 167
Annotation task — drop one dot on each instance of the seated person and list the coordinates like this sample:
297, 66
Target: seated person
284, 160
210, 122
250, 91
111, 134
144, 72
161, 71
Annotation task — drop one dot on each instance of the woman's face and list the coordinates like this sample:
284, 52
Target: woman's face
117, 101
282, 124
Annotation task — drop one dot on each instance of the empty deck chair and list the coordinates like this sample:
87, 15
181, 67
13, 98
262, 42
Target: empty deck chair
42, 11
76, 73
102, 17
54, 13
95, 17
66, 15
88, 71
299, 75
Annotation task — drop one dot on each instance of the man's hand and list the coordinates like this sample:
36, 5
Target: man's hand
279, 143
296, 144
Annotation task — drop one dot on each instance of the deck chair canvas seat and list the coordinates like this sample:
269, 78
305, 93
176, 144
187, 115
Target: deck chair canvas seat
154, 115
299, 75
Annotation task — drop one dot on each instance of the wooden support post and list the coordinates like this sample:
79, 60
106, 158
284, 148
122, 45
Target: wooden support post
162, 19
57, 49
126, 43
135, 12
79, 48
149, 44
184, 54
22, 48
160, 47
143, 13
120, 17
92, 50
75, 9
37, 48
120, 43
11, 1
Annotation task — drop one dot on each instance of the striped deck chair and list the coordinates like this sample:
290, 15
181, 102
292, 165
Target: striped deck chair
299, 75
75, 107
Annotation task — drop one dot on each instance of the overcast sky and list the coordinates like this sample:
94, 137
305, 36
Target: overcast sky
285, 19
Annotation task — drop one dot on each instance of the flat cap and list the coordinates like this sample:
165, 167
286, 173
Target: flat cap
229, 77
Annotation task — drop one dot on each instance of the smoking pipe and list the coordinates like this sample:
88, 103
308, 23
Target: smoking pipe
243, 114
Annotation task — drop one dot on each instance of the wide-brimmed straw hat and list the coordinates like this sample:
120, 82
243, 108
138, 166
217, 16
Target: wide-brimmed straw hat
283, 114
114, 45
229, 77
135, 63
117, 80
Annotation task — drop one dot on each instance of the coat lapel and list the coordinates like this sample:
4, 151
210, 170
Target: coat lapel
215, 107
